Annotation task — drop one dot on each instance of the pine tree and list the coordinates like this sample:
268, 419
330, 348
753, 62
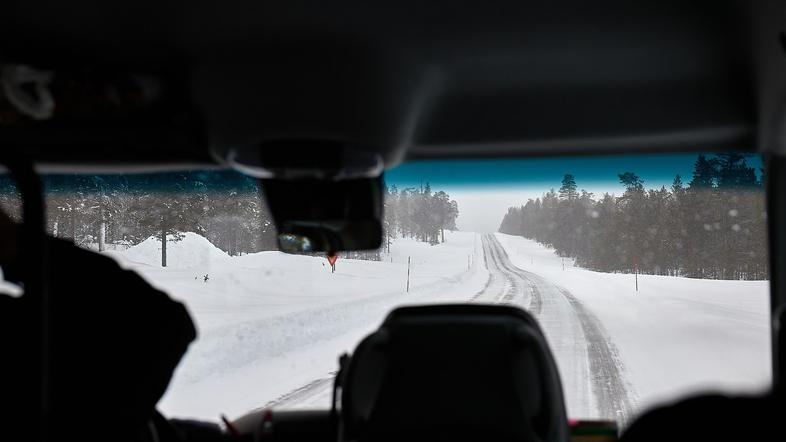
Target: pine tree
390, 220
632, 182
568, 189
676, 186
705, 172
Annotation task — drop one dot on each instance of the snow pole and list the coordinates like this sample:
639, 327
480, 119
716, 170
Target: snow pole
409, 259
636, 270
563, 263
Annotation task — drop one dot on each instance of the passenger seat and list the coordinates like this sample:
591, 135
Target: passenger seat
453, 372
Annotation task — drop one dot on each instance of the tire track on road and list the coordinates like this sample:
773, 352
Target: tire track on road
603, 368
503, 262
304, 394
606, 366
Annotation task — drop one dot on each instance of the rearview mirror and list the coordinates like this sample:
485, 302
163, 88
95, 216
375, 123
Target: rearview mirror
315, 215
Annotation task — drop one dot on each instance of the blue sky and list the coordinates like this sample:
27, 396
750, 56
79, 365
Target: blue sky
484, 189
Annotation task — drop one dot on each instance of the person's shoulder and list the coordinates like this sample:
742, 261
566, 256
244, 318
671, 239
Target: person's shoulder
73, 266
94, 281
65, 253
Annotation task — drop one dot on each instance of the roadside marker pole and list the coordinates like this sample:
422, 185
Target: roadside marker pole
563, 263
409, 259
636, 269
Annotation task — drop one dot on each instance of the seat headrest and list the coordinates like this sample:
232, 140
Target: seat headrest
459, 372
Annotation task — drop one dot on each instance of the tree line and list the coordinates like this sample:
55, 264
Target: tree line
227, 208
714, 227
99, 211
418, 213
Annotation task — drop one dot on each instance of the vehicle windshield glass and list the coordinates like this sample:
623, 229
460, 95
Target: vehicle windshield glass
648, 273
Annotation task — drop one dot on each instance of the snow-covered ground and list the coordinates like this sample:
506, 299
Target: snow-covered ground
676, 336
272, 325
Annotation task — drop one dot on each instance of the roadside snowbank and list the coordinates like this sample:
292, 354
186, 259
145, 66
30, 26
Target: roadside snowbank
190, 251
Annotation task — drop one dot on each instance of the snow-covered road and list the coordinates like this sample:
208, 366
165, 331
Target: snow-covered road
273, 325
589, 362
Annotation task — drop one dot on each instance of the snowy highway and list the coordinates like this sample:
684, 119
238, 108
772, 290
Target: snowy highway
581, 346
271, 325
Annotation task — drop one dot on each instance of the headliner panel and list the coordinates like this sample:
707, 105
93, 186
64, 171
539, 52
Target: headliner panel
424, 79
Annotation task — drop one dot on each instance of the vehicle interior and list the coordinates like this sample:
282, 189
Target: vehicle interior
317, 103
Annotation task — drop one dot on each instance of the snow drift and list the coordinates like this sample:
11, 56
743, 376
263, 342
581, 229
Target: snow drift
191, 251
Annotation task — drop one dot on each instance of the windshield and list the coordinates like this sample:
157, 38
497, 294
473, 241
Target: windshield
648, 274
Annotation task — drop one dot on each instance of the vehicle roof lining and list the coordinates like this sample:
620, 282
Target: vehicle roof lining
435, 80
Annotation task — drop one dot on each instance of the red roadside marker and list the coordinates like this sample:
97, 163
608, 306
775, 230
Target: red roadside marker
332, 260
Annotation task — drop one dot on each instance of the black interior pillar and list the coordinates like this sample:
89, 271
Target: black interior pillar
776, 217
